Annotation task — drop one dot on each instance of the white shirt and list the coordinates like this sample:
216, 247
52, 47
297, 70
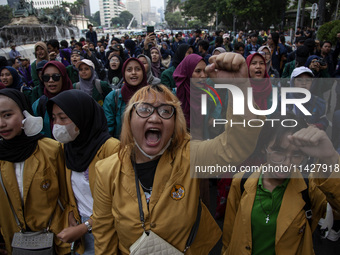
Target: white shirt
19, 172
82, 192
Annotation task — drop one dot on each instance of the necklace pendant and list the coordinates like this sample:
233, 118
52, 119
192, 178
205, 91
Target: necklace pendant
267, 219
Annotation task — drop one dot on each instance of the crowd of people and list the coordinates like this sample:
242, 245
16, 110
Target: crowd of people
98, 137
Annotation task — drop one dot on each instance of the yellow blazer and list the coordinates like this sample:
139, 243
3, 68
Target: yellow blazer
170, 214
293, 232
107, 149
43, 183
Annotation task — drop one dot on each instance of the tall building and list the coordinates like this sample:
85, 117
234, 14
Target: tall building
87, 9
145, 9
109, 9
39, 4
134, 7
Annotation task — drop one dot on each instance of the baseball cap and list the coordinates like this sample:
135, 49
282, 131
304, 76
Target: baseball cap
300, 70
85, 61
41, 65
226, 35
22, 58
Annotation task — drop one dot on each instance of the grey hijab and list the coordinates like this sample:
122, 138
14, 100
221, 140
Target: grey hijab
151, 80
87, 85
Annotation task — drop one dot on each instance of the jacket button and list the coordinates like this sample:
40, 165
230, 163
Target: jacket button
153, 225
248, 248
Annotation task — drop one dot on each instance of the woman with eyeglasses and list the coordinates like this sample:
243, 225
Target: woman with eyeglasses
56, 80
265, 52
114, 105
147, 186
115, 75
80, 124
273, 209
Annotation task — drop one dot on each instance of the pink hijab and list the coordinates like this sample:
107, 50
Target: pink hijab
182, 75
262, 89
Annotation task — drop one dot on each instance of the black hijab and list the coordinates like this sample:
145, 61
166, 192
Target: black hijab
89, 117
180, 54
21, 147
118, 72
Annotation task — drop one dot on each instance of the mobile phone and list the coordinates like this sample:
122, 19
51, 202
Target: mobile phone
150, 29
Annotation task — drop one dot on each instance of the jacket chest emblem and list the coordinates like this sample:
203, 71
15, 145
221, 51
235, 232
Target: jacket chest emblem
177, 192
45, 184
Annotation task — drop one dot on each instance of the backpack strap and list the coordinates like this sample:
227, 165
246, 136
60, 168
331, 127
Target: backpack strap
41, 109
99, 87
308, 204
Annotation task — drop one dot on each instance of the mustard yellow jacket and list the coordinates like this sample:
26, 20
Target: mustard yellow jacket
170, 214
107, 149
43, 183
293, 232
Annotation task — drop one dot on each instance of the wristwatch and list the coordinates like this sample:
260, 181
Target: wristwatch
88, 225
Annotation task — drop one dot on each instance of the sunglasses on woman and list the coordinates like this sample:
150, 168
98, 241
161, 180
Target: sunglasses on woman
55, 77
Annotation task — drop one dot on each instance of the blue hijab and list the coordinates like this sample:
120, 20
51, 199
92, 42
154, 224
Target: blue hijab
17, 81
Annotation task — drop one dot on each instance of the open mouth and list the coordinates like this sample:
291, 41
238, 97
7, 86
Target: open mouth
153, 136
134, 79
5, 133
258, 73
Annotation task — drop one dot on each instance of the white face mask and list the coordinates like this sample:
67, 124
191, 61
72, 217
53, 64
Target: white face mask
153, 156
65, 133
32, 125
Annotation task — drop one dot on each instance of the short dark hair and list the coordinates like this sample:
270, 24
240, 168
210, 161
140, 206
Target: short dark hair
64, 43
3, 61
239, 45
204, 44
79, 44
282, 38
219, 40
89, 25
326, 42
54, 43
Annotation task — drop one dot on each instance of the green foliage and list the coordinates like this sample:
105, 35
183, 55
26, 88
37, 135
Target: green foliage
253, 14
328, 31
174, 20
92, 21
123, 20
200, 10
6, 15
172, 5
96, 17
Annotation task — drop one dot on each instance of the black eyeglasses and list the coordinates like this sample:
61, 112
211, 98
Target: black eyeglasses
145, 110
55, 77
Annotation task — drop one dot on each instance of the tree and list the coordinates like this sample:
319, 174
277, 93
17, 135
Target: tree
200, 10
174, 20
123, 20
254, 14
96, 17
6, 15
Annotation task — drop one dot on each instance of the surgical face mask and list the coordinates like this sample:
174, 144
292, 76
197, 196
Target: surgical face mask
65, 133
153, 156
32, 125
